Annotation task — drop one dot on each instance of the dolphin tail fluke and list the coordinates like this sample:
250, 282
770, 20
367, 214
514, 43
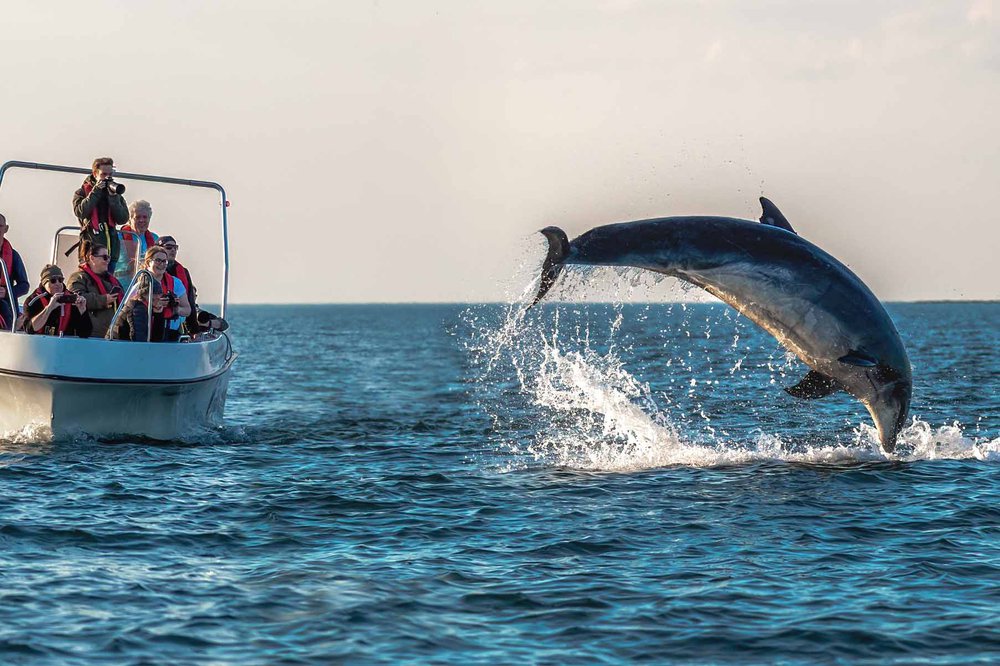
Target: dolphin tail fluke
553, 264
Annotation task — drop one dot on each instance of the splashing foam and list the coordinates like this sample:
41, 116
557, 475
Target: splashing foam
614, 425
922, 441
607, 428
37, 437
33, 433
601, 418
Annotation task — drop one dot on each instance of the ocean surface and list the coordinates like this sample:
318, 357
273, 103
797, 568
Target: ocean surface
464, 484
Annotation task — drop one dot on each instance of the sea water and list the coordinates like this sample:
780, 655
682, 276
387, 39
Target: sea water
473, 484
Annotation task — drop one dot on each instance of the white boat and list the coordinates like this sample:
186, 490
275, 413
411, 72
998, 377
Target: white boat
69, 386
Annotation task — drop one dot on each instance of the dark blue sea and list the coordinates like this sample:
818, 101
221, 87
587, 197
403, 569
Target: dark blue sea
460, 484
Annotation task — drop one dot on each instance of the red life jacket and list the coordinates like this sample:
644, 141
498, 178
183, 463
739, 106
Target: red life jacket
66, 308
128, 232
167, 283
182, 274
97, 279
7, 253
95, 223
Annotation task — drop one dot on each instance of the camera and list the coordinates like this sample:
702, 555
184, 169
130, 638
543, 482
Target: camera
115, 188
171, 299
69, 297
208, 320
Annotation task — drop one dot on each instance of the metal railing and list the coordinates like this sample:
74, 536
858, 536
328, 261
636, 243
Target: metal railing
14, 164
55, 242
127, 296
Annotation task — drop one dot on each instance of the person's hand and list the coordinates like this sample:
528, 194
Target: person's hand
81, 303
110, 299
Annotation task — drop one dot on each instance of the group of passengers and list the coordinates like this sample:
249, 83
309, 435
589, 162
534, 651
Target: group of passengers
115, 243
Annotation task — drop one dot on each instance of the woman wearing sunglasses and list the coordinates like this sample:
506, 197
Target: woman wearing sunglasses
52, 310
97, 285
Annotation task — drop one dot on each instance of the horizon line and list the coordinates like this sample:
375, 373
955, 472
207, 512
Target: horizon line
595, 302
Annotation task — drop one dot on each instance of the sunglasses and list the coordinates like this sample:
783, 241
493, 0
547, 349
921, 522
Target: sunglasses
59, 280
170, 247
105, 257
159, 261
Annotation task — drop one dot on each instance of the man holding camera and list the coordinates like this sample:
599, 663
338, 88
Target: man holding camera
54, 311
100, 207
190, 292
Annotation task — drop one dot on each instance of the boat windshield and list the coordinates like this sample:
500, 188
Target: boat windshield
64, 250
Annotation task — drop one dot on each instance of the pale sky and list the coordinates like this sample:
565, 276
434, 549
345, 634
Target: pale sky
408, 151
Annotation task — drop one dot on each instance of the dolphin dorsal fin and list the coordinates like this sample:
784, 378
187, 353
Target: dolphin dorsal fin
772, 216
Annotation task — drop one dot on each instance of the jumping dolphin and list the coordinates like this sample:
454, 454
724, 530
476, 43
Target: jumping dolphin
812, 304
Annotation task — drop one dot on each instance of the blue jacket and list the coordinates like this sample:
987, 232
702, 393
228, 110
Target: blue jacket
20, 287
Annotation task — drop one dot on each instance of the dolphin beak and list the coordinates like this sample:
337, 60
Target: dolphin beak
889, 411
553, 264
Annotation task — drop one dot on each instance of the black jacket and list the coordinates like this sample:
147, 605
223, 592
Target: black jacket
99, 198
79, 323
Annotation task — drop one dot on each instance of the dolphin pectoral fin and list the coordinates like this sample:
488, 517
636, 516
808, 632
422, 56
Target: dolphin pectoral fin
773, 217
814, 385
859, 358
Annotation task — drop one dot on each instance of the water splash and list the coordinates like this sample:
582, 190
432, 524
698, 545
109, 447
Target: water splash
922, 441
570, 400
32, 433
617, 427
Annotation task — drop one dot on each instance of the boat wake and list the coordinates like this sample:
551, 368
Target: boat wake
197, 435
577, 406
30, 434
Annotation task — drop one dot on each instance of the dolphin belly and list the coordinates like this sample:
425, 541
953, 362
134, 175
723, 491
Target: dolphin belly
790, 310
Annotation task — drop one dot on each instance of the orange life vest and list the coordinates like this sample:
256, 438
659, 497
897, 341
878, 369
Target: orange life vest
182, 274
128, 232
167, 283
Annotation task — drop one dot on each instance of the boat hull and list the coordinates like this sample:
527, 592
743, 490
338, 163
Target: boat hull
68, 387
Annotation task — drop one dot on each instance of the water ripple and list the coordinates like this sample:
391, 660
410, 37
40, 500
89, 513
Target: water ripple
385, 499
